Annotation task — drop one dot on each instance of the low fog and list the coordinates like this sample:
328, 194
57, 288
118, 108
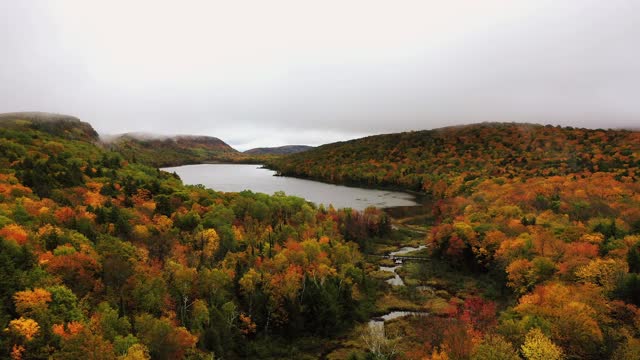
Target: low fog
296, 72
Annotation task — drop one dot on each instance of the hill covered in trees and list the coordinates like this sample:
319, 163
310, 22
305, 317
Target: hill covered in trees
162, 151
551, 213
532, 233
64, 126
280, 150
103, 258
431, 160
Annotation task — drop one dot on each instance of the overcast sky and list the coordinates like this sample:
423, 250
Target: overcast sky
268, 73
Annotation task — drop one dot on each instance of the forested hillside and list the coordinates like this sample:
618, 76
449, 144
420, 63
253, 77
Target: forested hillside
532, 251
433, 160
65, 126
172, 151
552, 213
102, 258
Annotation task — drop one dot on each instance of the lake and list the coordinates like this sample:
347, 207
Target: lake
236, 178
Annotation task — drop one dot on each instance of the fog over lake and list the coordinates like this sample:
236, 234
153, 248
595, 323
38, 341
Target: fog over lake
236, 178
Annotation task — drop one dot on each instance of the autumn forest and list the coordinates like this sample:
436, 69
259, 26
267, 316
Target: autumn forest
527, 246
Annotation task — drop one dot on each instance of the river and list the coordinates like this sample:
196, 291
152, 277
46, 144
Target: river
236, 178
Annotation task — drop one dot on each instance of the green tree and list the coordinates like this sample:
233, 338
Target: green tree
494, 347
163, 339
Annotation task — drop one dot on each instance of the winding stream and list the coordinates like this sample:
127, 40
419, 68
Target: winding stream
378, 322
397, 280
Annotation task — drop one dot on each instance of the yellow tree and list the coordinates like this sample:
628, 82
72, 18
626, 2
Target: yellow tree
22, 330
205, 245
538, 347
604, 272
31, 301
519, 275
24, 327
248, 284
136, 352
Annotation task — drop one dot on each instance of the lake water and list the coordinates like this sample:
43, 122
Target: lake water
236, 178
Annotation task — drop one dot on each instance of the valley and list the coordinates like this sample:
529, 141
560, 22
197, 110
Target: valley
333, 180
507, 236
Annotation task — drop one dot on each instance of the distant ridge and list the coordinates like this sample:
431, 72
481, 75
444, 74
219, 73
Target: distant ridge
279, 150
160, 150
66, 126
184, 141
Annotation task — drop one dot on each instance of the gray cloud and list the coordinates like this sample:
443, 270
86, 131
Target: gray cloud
295, 72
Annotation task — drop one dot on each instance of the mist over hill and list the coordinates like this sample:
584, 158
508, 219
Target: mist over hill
56, 124
171, 150
279, 150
